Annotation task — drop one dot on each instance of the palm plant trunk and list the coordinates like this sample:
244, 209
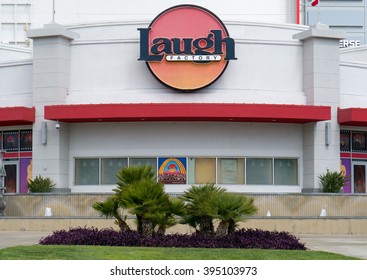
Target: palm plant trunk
139, 223
161, 230
146, 228
206, 225
124, 227
222, 229
231, 226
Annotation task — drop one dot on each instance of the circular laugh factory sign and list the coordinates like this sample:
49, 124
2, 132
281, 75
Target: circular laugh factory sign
186, 47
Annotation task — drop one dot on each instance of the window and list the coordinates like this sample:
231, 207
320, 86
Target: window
26, 140
109, 168
16, 140
353, 141
202, 171
285, 171
359, 141
11, 141
87, 171
344, 140
259, 171
145, 161
190, 171
231, 171
15, 22
103, 171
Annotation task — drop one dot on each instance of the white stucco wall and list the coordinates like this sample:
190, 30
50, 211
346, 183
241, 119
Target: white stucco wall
10, 53
104, 63
353, 81
16, 83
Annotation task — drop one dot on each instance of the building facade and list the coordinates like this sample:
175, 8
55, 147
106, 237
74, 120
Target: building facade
347, 15
287, 105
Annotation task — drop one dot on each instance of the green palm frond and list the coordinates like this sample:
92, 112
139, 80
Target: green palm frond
231, 206
133, 174
107, 208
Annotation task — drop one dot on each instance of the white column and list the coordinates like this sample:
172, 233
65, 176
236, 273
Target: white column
321, 83
51, 76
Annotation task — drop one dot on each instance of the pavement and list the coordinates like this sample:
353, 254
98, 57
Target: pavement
354, 245
15, 238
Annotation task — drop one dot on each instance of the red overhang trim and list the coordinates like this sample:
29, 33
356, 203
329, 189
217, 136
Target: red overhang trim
352, 116
17, 116
187, 112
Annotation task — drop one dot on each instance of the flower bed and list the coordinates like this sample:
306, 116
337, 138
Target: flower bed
245, 239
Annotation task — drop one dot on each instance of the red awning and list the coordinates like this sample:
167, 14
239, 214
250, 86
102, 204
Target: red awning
187, 112
17, 116
353, 116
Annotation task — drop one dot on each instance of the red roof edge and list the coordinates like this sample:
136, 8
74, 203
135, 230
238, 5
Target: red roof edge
226, 112
352, 116
17, 115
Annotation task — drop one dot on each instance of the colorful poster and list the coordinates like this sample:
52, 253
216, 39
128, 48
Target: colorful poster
10, 141
26, 140
344, 141
25, 174
345, 167
359, 141
172, 170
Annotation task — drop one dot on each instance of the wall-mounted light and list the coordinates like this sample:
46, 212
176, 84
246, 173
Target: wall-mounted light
44, 133
57, 125
327, 133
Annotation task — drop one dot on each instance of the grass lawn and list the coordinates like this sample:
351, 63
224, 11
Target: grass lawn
60, 252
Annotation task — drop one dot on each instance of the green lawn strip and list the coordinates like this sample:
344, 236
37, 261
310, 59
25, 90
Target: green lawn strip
60, 252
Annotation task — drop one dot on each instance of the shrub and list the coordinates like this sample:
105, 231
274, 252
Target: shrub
206, 203
40, 185
332, 182
139, 192
244, 238
199, 208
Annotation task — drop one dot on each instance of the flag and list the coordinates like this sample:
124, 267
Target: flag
314, 3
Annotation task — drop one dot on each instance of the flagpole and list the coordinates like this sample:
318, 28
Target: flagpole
318, 12
53, 11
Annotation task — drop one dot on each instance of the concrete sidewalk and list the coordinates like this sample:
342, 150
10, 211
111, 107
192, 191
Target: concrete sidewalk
15, 238
354, 245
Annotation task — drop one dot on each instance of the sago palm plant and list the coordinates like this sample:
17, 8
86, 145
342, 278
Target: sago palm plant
110, 209
145, 199
198, 207
230, 208
173, 208
129, 176
332, 182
